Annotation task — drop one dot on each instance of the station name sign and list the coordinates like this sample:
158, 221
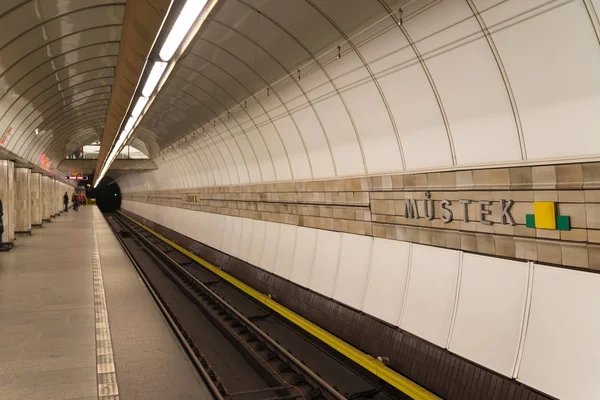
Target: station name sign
411, 210
77, 178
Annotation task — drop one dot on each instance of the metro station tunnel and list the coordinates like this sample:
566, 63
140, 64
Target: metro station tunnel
300, 199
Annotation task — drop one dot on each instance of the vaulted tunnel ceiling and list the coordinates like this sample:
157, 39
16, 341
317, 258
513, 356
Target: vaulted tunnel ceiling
68, 69
444, 84
57, 68
261, 95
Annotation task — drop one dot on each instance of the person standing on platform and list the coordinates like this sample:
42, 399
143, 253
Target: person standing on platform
1, 222
66, 202
74, 200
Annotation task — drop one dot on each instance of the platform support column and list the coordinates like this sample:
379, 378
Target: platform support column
55, 199
7, 195
22, 200
35, 207
47, 195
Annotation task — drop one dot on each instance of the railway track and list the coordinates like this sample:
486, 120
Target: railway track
242, 350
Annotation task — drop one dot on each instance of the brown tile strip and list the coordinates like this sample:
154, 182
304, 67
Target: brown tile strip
377, 206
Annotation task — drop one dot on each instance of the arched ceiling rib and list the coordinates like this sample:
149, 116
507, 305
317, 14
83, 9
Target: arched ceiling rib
57, 67
263, 95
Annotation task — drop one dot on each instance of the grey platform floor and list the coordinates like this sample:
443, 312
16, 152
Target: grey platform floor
47, 321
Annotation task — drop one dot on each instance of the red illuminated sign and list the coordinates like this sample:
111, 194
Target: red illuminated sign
45, 162
77, 178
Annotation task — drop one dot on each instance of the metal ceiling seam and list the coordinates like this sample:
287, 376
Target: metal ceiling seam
78, 122
53, 85
13, 8
50, 60
67, 122
349, 41
62, 99
197, 155
45, 91
34, 156
57, 17
75, 132
75, 116
504, 74
174, 77
591, 10
256, 98
323, 70
166, 93
292, 118
92, 88
252, 118
59, 39
60, 116
181, 174
201, 159
200, 125
182, 65
188, 175
308, 100
58, 154
316, 60
62, 108
257, 126
173, 86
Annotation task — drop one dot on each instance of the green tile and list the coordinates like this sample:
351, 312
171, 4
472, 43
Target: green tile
563, 223
530, 220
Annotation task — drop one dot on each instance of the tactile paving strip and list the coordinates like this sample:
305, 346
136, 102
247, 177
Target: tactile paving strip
108, 388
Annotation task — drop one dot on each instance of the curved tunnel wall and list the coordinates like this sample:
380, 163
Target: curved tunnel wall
262, 106
446, 89
57, 62
523, 320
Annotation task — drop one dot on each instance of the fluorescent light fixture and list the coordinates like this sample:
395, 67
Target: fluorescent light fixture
185, 20
128, 125
157, 70
139, 107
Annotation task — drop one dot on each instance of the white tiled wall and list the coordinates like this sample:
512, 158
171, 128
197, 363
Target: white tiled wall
485, 309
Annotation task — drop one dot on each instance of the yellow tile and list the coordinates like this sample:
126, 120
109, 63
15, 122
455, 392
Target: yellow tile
545, 216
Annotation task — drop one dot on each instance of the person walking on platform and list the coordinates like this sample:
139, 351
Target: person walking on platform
66, 202
74, 200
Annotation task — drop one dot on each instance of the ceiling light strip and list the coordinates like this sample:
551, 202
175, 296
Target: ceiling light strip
186, 26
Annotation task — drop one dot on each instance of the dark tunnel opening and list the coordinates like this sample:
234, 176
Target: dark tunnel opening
107, 195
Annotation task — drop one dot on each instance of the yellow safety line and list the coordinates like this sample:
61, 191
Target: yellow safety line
373, 365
